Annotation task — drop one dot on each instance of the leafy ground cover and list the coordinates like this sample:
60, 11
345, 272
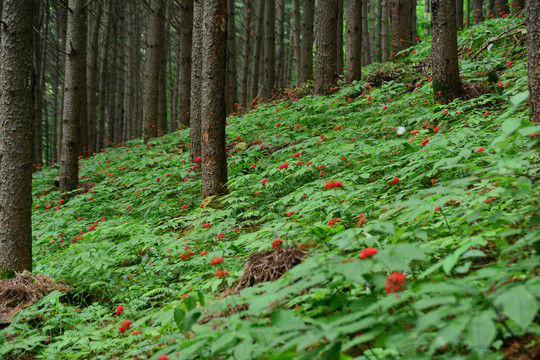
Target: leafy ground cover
409, 229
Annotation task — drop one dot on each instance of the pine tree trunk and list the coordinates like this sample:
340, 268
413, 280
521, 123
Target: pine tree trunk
478, 11
326, 46
16, 122
196, 82
501, 8
533, 47
83, 119
366, 51
384, 31
280, 50
306, 72
112, 78
74, 86
103, 71
39, 64
296, 30
245, 53
446, 81
119, 73
214, 158
269, 49
339, 37
427, 17
92, 50
372, 43
490, 9
459, 14
353, 48
379, 31
186, 35
401, 25
62, 21
162, 96
257, 51
468, 15
152, 69
414, 33
231, 57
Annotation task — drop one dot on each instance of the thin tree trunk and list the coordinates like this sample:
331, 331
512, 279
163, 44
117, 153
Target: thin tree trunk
93, 41
533, 46
446, 81
196, 83
384, 31
373, 50
339, 37
214, 158
459, 14
62, 20
326, 46
112, 78
120, 72
39, 69
379, 31
427, 17
269, 49
478, 11
16, 122
153, 53
297, 46
231, 57
280, 50
186, 35
138, 92
257, 53
162, 96
307, 42
73, 103
353, 48
245, 53
103, 72
366, 51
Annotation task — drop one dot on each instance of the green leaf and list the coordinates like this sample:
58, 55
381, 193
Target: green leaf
480, 332
200, 297
452, 332
238, 249
518, 304
190, 302
519, 98
450, 261
179, 316
510, 125
191, 319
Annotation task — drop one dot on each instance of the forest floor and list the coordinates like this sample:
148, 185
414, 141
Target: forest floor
371, 223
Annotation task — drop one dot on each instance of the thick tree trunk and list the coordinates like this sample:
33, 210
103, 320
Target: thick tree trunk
296, 30
326, 46
244, 91
459, 14
366, 51
257, 51
214, 158
353, 48
339, 37
74, 86
152, 70
269, 49
533, 42
196, 82
478, 11
446, 81
280, 49
16, 119
231, 58
91, 75
186, 35
401, 24
306, 72
384, 31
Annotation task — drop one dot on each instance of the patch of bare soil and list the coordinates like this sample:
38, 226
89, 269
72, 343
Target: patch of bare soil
522, 348
475, 90
24, 290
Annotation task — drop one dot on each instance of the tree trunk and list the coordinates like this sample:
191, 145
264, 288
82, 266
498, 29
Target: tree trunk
478, 11
384, 31
366, 51
401, 24
103, 88
446, 81
269, 49
152, 70
414, 33
533, 43
372, 42
112, 78
468, 15
162, 96
214, 158
490, 9
231, 57
306, 72
257, 51
245, 54
280, 49
339, 37
353, 48
427, 17
91, 75
16, 122
501, 8
326, 46
38, 78
196, 82
296, 30
517, 6
186, 35
459, 14
74, 86
62, 21
120, 73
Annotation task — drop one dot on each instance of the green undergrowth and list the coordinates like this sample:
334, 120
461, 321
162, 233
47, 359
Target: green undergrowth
448, 195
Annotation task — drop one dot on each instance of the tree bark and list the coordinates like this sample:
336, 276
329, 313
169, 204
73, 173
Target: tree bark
186, 35
196, 82
306, 72
91, 75
16, 122
214, 158
501, 8
244, 91
353, 48
401, 25
372, 34
427, 17
446, 81
326, 46
231, 58
257, 51
459, 14
296, 30
478, 11
384, 31
103, 72
339, 37
468, 14
152, 70
533, 42
74, 86
38, 78
280, 49
366, 51
517, 6
269, 49
163, 59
